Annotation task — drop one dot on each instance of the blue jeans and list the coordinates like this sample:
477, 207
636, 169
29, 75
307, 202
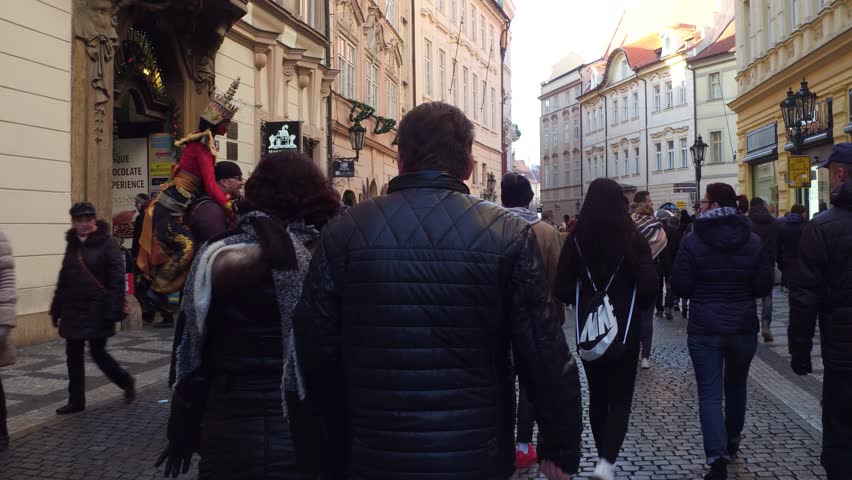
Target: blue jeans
721, 364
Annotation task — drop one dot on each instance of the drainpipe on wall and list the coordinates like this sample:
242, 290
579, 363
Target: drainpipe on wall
582, 149
647, 152
606, 136
329, 128
695, 125
413, 55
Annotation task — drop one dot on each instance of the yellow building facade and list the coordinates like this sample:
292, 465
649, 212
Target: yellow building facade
778, 45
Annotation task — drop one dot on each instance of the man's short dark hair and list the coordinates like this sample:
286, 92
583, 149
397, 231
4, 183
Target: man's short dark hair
723, 194
435, 136
641, 196
798, 208
757, 202
515, 190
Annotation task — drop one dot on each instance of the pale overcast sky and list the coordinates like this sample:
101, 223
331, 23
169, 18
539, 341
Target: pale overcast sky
543, 32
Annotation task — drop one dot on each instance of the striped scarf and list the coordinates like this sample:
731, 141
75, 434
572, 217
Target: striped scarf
652, 230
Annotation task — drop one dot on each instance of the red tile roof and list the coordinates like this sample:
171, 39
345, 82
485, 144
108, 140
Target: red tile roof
643, 52
726, 43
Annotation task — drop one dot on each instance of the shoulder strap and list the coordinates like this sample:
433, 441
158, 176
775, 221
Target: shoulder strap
589, 274
91, 275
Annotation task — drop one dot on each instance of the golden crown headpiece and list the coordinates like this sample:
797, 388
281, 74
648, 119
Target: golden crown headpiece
221, 107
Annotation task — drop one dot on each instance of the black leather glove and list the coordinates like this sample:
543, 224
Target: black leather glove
801, 364
177, 458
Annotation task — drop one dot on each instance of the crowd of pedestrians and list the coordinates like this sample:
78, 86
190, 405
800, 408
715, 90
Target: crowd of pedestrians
419, 334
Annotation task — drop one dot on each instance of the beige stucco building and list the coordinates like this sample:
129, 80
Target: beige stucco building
85, 80
780, 43
461, 57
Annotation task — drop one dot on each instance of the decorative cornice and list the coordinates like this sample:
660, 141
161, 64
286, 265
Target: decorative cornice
669, 131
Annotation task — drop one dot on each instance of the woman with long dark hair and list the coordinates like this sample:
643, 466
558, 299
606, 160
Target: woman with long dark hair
238, 397
606, 255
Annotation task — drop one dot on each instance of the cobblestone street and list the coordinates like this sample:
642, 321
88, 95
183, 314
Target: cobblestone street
111, 440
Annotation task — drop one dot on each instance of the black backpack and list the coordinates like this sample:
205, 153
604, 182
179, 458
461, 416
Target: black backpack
600, 339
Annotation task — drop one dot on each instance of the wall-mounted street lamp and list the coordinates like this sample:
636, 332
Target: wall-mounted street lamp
798, 111
698, 149
357, 134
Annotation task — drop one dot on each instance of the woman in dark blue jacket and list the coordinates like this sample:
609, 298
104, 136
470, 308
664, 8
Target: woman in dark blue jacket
722, 268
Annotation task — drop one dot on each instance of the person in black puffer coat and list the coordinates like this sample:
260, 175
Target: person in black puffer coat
824, 290
788, 244
237, 398
414, 307
88, 302
769, 230
722, 268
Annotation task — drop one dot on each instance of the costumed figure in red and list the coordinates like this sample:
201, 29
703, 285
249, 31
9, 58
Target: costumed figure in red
166, 245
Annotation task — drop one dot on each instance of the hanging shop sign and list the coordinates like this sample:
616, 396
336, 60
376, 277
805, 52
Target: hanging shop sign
344, 168
277, 137
684, 187
161, 159
799, 171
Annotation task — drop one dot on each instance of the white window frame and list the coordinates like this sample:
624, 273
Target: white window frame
491, 33
658, 100
614, 111
346, 63
390, 12
372, 73
473, 16
567, 172
658, 150
442, 74
546, 142
716, 147
715, 86
555, 137
555, 182
794, 15
626, 153
427, 66
466, 93
566, 133
485, 115
391, 102
681, 93
684, 152
475, 81
635, 105
482, 30
615, 163
494, 109
454, 11
636, 159
576, 129
670, 154
625, 108
669, 94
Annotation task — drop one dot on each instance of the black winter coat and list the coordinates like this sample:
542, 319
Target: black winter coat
722, 268
90, 302
230, 410
412, 305
788, 246
825, 285
767, 228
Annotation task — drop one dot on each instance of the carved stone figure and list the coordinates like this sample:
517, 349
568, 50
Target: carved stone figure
94, 24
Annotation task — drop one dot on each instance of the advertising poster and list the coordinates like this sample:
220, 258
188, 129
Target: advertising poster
161, 157
129, 178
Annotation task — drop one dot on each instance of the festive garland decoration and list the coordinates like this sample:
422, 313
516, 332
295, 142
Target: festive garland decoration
383, 125
366, 111
136, 57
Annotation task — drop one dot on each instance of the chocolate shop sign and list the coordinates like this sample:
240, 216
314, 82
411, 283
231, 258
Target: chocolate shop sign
277, 137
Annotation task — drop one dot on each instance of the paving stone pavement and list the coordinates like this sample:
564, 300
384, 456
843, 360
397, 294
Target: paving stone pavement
111, 440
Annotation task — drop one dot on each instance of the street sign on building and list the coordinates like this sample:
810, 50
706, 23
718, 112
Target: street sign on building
683, 188
799, 171
344, 168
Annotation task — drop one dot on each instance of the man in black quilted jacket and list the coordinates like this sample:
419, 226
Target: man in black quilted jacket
418, 308
823, 289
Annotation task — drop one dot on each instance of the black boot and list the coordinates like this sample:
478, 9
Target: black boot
71, 407
130, 391
718, 470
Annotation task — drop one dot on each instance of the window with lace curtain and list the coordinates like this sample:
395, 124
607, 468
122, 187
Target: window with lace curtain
390, 12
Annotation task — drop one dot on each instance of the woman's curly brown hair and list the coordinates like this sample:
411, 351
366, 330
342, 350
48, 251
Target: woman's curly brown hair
291, 187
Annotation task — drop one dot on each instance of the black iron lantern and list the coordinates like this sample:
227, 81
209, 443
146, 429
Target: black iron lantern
357, 133
491, 182
698, 149
805, 103
789, 111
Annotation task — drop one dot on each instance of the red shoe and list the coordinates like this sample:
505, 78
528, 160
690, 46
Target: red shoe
526, 460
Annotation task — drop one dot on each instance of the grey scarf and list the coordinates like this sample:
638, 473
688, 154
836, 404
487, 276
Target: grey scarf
197, 298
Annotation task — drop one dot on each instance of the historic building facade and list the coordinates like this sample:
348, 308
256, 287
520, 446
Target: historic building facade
372, 54
561, 138
714, 71
461, 57
96, 91
778, 44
